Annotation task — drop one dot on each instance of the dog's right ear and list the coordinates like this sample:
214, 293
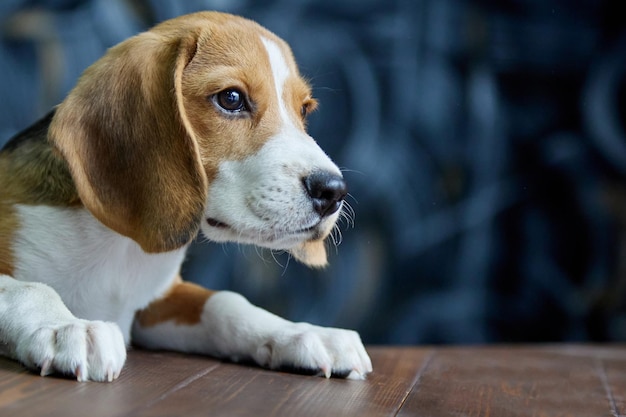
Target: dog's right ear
124, 133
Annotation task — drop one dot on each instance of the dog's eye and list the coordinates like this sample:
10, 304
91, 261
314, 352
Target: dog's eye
231, 100
308, 106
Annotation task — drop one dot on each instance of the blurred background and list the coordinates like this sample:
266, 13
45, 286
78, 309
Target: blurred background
484, 143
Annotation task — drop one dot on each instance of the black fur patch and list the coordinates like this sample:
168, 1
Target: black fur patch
38, 130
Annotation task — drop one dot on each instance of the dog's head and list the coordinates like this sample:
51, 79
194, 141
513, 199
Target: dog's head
200, 124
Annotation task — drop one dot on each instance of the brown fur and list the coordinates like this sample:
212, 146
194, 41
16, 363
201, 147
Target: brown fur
136, 168
312, 253
183, 304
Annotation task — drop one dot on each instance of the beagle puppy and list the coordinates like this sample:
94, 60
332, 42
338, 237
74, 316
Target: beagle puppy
197, 125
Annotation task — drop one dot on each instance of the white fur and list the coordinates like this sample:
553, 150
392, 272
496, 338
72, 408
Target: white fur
280, 73
233, 328
262, 199
98, 273
39, 331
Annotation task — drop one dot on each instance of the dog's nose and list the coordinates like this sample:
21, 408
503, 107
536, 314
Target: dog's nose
326, 190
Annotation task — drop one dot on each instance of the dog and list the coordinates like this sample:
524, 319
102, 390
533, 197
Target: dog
195, 126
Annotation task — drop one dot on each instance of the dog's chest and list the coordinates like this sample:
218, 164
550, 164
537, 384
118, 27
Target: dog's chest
98, 273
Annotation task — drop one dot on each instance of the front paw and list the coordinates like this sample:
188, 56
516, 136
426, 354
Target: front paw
88, 350
324, 351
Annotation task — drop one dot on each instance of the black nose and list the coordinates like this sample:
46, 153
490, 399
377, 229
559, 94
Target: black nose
326, 190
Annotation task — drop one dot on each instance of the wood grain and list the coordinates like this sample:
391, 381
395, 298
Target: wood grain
236, 390
510, 382
564, 381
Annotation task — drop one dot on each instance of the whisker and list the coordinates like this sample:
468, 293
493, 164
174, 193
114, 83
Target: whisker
340, 233
242, 250
225, 248
347, 214
350, 170
284, 267
336, 238
277, 262
261, 254
353, 198
345, 217
333, 236
203, 239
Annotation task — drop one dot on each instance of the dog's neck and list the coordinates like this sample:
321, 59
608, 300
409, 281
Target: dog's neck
32, 172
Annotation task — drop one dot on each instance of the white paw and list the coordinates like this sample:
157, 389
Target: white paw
89, 350
325, 351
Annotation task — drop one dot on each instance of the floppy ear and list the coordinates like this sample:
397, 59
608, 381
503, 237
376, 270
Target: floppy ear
124, 133
311, 253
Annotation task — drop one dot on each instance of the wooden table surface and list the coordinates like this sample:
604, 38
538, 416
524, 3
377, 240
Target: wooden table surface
562, 381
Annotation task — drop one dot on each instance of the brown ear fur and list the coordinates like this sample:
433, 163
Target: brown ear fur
311, 253
124, 133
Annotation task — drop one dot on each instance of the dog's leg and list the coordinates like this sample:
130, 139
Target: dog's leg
224, 324
37, 329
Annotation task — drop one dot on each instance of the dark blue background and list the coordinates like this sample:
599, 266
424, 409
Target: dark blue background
483, 142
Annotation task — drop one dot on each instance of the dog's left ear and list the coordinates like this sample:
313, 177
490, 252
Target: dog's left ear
125, 135
311, 253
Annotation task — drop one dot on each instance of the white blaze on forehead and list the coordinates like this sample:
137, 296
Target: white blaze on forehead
280, 72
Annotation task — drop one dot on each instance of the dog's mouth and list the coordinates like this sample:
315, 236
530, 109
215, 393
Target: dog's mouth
216, 223
270, 235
